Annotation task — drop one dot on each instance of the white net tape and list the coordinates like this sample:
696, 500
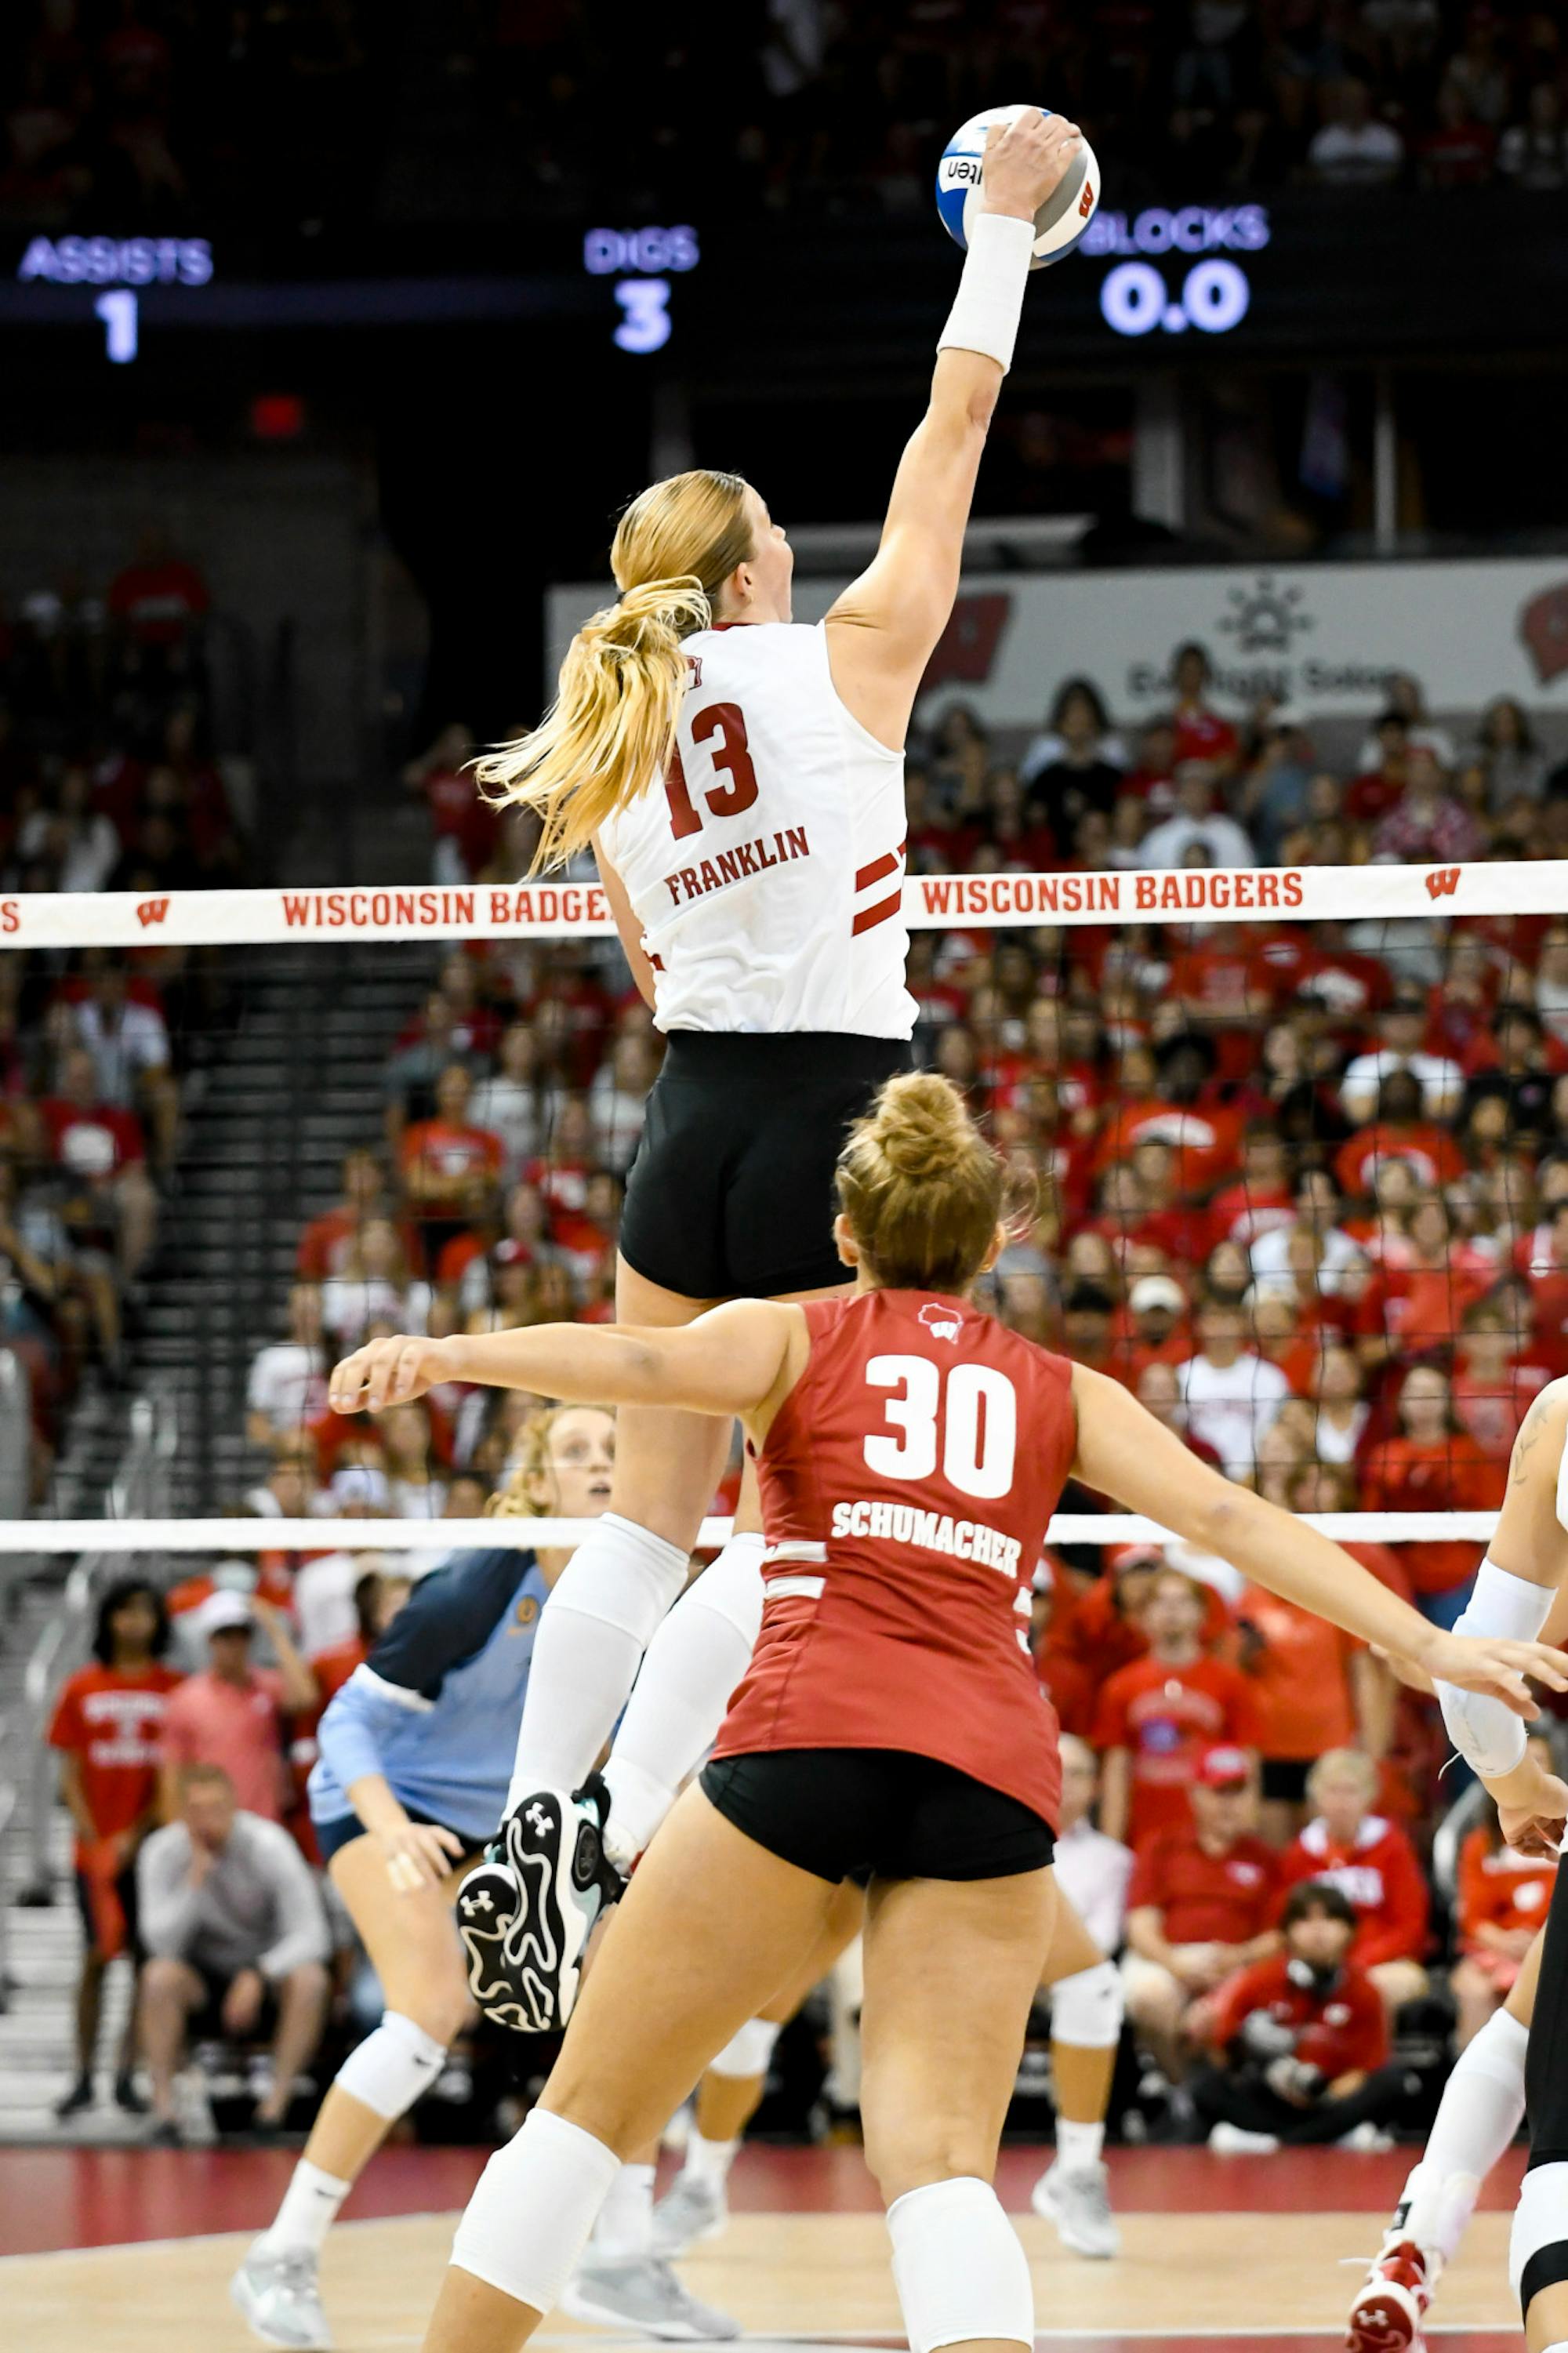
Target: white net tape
253, 1536
570, 909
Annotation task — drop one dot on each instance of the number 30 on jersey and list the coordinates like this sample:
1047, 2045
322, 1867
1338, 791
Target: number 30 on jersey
970, 1415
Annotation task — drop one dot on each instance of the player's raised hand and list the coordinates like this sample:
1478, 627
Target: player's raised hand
1026, 161
387, 1372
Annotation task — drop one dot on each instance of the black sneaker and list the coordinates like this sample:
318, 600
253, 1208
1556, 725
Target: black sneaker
127, 2096
79, 2097
526, 1912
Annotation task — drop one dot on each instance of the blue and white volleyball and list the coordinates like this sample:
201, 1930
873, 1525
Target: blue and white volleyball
1062, 220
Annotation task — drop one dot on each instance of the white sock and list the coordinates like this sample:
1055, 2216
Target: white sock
592, 1633
694, 1661
624, 2231
1479, 2113
710, 2161
1078, 2146
309, 2208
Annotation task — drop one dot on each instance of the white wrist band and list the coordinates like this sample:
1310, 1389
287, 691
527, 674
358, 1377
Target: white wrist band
985, 311
1487, 1734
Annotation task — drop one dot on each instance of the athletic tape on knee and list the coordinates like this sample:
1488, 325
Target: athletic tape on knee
532, 2209
1087, 2007
747, 2053
389, 2070
1487, 1734
959, 2267
1538, 2243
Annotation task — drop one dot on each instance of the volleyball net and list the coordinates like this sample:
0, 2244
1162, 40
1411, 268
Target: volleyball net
1297, 1138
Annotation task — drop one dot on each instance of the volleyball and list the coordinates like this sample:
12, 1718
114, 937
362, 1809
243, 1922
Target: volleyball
1062, 219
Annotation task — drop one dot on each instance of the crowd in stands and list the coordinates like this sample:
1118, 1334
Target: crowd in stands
160, 115
1304, 1188
108, 781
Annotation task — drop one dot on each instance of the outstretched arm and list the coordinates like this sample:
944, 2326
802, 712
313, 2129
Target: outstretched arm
883, 629
739, 1358
1126, 1454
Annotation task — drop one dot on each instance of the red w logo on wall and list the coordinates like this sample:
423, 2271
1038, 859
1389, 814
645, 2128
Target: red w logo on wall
1442, 882
967, 647
150, 910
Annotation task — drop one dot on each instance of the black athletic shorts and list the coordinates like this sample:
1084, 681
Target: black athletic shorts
876, 1813
731, 1194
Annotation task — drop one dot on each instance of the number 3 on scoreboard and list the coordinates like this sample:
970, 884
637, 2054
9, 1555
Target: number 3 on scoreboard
979, 1418
730, 755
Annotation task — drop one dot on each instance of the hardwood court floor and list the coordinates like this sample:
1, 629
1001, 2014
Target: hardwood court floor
1241, 2252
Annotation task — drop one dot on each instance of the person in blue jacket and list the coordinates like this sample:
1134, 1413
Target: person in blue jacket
416, 1753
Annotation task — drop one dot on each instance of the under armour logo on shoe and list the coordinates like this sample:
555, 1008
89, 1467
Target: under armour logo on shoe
538, 1819
483, 1902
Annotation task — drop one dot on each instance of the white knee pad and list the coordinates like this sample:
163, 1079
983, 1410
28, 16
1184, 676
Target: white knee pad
747, 2053
1087, 2007
959, 2267
623, 1576
1540, 2222
389, 2070
532, 2209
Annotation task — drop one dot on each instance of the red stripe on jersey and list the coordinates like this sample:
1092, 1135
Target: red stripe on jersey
869, 917
879, 868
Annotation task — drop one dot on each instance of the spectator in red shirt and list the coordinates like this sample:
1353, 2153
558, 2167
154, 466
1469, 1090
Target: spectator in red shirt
1199, 1906
1428, 824
1400, 1132
1153, 780
1158, 1716
232, 1713
107, 1726
1373, 1864
325, 1240
1432, 1465
1502, 1902
1155, 1330
1201, 732
462, 822
1259, 1198
100, 1147
1300, 2045
450, 1168
1492, 1390
159, 598
1373, 794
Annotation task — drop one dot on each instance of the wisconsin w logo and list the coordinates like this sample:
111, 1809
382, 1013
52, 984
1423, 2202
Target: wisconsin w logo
1442, 882
150, 910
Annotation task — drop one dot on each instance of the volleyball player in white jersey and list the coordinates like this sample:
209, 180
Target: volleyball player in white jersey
1524, 2047
740, 778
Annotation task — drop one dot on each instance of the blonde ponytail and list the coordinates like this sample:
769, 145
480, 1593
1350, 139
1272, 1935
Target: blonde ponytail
921, 1189
610, 730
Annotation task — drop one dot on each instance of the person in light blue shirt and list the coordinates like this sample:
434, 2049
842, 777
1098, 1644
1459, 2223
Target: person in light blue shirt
416, 1752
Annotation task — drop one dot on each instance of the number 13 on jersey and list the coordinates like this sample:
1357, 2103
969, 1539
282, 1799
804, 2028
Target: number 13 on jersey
970, 1416
729, 755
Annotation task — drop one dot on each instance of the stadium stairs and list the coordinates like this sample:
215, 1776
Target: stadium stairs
282, 1095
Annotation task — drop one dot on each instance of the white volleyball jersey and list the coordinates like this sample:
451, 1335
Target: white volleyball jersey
767, 868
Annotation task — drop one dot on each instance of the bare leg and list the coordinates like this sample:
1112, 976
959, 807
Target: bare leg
1477, 1999
952, 1968
414, 1950
169, 1991
301, 2012
89, 2008
709, 1927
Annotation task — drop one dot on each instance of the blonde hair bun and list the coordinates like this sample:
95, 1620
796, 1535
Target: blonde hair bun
920, 1127
920, 1188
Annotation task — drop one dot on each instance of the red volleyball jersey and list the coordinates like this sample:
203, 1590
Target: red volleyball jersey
906, 1485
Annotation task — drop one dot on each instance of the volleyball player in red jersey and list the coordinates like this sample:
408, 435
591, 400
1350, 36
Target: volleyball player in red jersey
911, 1451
